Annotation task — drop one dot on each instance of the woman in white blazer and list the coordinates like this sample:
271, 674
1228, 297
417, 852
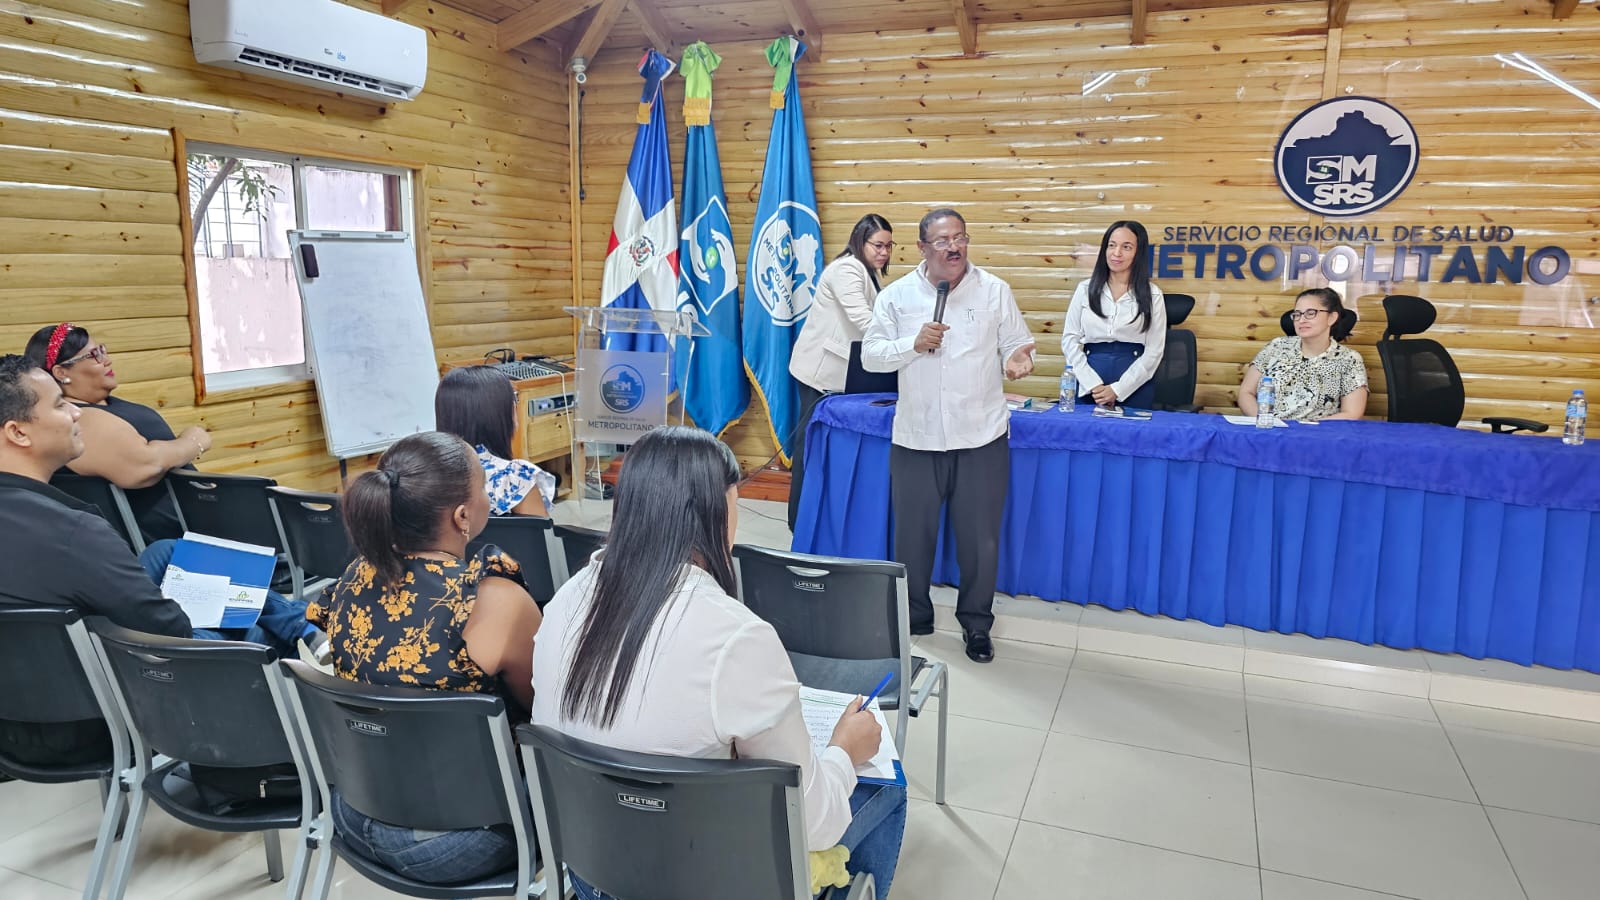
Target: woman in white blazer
840, 313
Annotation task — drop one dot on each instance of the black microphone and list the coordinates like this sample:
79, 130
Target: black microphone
938, 304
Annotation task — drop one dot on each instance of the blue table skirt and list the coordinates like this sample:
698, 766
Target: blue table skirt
1365, 531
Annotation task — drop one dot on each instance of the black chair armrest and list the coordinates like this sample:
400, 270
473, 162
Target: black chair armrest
1509, 424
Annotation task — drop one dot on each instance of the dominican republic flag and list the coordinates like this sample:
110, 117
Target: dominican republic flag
710, 368
785, 257
642, 258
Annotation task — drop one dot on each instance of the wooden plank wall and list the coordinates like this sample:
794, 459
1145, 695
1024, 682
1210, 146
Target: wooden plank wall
1183, 134
89, 209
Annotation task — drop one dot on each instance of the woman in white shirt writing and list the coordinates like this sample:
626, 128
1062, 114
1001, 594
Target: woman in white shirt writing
647, 649
1116, 328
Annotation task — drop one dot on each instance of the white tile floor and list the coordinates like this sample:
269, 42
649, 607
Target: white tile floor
1090, 771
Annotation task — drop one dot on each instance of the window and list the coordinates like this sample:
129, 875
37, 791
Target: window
242, 204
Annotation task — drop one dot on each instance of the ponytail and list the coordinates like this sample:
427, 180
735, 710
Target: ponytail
369, 517
397, 508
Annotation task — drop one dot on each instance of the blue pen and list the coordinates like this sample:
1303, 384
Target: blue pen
877, 690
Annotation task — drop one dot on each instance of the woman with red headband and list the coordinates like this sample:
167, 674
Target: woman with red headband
126, 443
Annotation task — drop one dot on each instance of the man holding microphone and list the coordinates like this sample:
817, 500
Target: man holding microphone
950, 329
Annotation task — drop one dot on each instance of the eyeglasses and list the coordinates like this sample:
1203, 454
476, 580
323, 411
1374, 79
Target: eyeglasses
960, 240
97, 353
1296, 315
881, 246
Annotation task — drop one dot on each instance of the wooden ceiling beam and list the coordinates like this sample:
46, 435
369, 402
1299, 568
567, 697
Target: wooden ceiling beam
1564, 9
967, 26
1338, 11
599, 27
520, 28
654, 26
1141, 12
393, 7
798, 12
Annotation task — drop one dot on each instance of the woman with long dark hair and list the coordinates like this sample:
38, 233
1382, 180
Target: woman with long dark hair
647, 649
479, 405
1115, 331
415, 610
1315, 377
840, 312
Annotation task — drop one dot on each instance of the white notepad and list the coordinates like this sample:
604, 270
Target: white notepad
822, 710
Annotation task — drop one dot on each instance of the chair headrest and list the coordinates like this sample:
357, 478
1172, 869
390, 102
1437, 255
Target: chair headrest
1345, 325
1407, 315
1179, 306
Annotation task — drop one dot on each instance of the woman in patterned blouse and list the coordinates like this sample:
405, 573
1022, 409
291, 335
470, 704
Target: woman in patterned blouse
1315, 377
478, 405
415, 609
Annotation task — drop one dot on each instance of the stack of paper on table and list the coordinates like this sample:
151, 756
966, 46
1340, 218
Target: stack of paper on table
219, 583
822, 710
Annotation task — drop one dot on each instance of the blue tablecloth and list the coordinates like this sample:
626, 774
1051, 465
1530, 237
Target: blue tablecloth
1403, 535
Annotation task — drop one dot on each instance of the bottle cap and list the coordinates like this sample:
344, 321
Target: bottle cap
1578, 393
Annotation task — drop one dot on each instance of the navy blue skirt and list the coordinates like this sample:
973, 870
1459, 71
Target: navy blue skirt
1110, 359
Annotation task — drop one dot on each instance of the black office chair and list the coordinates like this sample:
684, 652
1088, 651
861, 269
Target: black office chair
1346, 323
579, 544
202, 703
644, 827
414, 758
530, 540
312, 533
234, 507
845, 622
108, 498
50, 674
1424, 383
1179, 371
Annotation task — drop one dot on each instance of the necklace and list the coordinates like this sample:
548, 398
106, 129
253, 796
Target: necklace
434, 554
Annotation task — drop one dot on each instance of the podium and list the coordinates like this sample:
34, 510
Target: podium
626, 364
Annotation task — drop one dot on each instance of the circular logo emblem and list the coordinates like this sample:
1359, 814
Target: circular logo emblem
1346, 156
641, 249
785, 263
622, 388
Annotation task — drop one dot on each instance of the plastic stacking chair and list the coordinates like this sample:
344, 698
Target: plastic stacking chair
531, 541
845, 622
202, 703
644, 827
234, 507
414, 758
109, 499
50, 674
312, 535
579, 543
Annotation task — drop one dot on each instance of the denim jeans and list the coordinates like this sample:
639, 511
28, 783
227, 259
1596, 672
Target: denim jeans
877, 826
434, 857
282, 621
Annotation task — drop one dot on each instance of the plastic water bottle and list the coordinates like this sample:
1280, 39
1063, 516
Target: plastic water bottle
1069, 391
1577, 417
1265, 401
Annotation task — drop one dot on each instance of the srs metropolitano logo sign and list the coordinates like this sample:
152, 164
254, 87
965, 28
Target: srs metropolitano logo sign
1346, 156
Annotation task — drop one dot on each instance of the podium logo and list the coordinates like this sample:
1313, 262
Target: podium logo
622, 389
1346, 156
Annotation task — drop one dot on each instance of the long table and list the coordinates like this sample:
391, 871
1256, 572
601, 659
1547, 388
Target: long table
1403, 535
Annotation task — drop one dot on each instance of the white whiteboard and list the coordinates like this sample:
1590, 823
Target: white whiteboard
367, 338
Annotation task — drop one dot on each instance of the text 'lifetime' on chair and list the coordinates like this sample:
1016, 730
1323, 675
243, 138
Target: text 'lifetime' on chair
844, 623
644, 827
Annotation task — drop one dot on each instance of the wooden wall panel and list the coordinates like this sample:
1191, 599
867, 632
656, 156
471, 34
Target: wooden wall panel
89, 93
1182, 134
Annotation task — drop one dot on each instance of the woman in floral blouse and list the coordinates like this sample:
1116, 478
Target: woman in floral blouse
478, 405
414, 609
1315, 377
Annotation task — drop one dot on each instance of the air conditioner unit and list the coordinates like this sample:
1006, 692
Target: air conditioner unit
319, 43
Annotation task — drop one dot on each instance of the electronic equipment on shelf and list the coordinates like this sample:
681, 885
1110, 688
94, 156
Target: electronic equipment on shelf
521, 370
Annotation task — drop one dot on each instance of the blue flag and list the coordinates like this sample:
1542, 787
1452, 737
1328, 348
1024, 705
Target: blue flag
642, 260
785, 257
710, 369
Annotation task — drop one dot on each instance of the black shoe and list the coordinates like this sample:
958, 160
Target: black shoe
979, 647
921, 629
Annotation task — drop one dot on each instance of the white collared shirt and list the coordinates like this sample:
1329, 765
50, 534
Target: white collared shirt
953, 398
1121, 323
713, 682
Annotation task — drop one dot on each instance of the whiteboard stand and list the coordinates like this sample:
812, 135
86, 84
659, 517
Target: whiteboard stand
634, 342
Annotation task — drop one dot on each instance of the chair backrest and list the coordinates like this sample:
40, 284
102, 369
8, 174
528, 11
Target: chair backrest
578, 544
530, 540
234, 507
1346, 324
1176, 377
41, 676
843, 621
410, 757
644, 827
108, 499
205, 702
1423, 382
312, 531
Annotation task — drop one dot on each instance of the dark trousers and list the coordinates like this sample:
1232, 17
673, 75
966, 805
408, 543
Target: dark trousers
797, 463
973, 482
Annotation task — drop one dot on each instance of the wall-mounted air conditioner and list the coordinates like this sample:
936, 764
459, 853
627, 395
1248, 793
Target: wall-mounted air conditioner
319, 43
